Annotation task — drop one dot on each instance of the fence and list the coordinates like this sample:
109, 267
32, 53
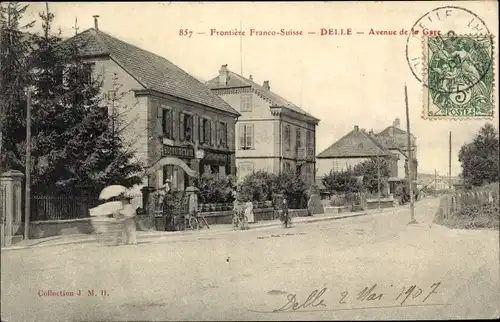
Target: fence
61, 207
452, 203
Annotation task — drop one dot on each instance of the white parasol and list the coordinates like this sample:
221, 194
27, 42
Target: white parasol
112, 191
105, 209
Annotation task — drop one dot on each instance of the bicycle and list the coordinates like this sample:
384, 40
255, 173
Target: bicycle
285, 219
240, 221
196, 222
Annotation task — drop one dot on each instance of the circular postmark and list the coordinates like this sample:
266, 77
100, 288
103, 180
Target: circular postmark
450, 50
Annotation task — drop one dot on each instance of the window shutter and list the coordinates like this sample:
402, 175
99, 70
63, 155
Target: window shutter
217, 134
194, 128
242, 135
181, 126
250, 136
212, 134
201, 131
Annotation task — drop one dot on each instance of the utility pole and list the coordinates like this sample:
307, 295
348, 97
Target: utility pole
410, 161
378, 179
435, 182
449, 163
241, 51
76, 26
27, 205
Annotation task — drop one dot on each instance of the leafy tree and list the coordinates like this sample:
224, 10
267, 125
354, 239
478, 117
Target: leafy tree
293, 187
370, 171
415, 169
15, 44
257, 186
341, 182
215, 188
479, 159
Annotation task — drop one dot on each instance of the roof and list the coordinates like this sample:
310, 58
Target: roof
238, 81
152, 71
356, 143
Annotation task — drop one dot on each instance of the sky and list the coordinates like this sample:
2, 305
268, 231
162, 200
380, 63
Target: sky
344, 80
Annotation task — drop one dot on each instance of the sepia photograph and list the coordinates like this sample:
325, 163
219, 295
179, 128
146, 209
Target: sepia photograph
249, 161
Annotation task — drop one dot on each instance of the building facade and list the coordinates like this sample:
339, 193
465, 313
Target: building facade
178, 127
354, 148
272, 134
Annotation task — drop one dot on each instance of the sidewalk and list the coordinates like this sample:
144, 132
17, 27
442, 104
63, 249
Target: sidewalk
151, 235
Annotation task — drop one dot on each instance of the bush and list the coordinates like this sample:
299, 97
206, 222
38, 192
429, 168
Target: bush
476, 216
215, 189
260, 186
256, 187
293, 188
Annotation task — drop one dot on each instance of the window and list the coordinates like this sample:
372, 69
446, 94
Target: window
287, 137
167, 123
246, 136
246, 102
298, 137
205, 131
222, 139
309, 143
186, 127
87, 73
288, 166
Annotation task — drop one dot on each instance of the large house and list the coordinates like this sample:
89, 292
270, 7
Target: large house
273, 134
358, 146
354, 148
180, 127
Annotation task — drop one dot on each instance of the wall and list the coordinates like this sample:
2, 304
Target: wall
266, 154
178, 105
135, 108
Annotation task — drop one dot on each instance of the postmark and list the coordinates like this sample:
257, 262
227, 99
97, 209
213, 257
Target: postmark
458, 72
451, 53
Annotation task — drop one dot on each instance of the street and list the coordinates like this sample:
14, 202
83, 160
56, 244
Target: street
371, 267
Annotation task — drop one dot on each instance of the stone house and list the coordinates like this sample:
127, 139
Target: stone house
179, 126
272, 133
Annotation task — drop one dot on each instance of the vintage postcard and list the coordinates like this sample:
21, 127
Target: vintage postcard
235, 161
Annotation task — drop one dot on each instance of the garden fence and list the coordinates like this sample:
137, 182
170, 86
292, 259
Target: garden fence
451, 203
61, 207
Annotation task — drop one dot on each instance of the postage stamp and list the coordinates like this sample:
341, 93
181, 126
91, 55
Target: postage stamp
459, 73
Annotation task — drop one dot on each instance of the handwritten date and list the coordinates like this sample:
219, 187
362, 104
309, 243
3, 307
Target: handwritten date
316, 299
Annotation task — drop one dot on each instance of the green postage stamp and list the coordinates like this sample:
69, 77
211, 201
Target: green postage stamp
459, 77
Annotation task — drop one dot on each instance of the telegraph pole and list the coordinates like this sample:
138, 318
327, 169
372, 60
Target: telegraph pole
435, 182
410, 161
449, 163
378, 179
241, 51
27, 205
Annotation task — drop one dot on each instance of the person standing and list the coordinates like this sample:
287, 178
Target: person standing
127, 213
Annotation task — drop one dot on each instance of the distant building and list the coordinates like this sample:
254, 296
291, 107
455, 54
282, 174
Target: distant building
272, 133
395, 138
354, 148
173, 115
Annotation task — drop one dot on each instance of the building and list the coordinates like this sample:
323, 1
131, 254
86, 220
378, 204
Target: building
395, 138
354, 148
180, 127
273, 134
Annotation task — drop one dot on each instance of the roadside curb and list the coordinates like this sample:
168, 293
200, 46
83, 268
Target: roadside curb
184, 234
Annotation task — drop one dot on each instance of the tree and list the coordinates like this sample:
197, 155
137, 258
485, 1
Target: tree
292, 187
77, 142
15, 45
370, 171
341, 182
479, 159
257, 186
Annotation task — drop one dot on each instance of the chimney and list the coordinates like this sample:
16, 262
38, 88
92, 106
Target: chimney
223, 75
266, 85
396, 122
251, 78
96, 22
356, 128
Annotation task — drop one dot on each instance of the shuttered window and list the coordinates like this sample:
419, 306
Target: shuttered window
246, 136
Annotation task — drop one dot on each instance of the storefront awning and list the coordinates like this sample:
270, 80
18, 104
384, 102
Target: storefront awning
171, 161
